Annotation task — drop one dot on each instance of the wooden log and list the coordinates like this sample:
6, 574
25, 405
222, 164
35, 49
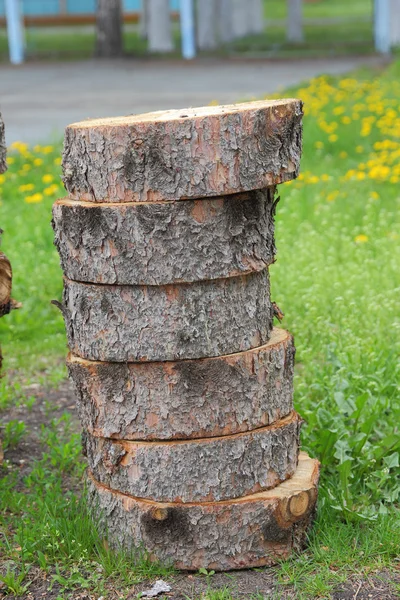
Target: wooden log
186, 399
254, 531
160, 323
180, 154
161, 243
202, 470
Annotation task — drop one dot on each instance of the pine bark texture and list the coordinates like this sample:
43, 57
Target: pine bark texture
159, 30
254, 531
161, 323
206, 470
109, 29
186, 399
3, 147
191, 153
157, 244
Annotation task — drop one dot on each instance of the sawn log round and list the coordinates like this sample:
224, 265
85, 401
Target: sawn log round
165, 242
258, 530
201, 470
186, 399
166, 323
181, 154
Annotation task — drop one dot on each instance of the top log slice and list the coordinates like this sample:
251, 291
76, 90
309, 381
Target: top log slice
183, 154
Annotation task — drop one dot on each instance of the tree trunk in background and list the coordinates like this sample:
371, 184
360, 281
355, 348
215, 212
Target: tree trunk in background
295, 21
207, 25
3, 148
395, 23
109, 29
256, 16
159, 26
224, 21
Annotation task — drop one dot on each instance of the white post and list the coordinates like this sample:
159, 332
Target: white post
187, 29
295, 21
395, 23
159, 29
382, 26
207, 25
15, 31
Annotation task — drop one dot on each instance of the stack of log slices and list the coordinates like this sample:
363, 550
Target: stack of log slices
184, 386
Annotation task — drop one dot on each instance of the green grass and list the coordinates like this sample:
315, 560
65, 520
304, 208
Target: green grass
336, 279
276, 9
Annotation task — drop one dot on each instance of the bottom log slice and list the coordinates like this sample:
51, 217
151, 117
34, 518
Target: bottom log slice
189, 398
253, 531
203, 470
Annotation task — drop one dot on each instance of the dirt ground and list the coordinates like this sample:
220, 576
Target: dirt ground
257, 583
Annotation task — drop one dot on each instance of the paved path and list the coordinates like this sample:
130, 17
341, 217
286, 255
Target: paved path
39, 100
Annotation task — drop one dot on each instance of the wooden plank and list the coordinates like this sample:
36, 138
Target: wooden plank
163, 323
253, 531
181, 154
202, 470
162, 243
186, 399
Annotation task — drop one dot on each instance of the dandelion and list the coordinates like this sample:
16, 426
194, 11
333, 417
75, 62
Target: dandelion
361, 238
333, 137
47, 178
343, 154
38, 162
27, 187
57, 161
319, 145
34, 199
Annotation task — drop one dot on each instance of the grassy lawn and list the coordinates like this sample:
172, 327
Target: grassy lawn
336, 279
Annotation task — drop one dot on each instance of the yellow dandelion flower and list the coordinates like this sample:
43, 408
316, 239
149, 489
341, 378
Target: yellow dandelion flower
346, 120
47, 178
11, 160
359, 149
319, 145
325, 177
38, 162
27, 187
374, 195
361, 238
343, 154
2, 179
47, 149
34, 199
57, 161
333, 137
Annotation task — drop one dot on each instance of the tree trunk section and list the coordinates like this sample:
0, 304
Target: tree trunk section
240, 18
255, 531
150, 323
109, 29
206, 25
158, 244
206, 470
159, 26
186, 154
295, 21
224, 21
3, 147
186, 399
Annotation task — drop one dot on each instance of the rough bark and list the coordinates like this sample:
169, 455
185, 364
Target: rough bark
5, 285
255, 531
159, 30
207, 25
109, 29
295, 21
202, 470
186, 399
157, 244
190, 153
3, 147
150, 323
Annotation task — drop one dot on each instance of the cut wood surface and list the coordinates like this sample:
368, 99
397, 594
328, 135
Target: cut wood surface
180, 154
5, 285
161, 243
202, 470
186, 399
151, 323
254, 531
